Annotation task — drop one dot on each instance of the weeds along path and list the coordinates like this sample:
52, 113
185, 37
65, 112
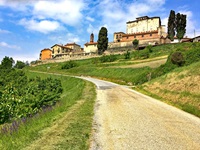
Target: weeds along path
126, 119
62, 133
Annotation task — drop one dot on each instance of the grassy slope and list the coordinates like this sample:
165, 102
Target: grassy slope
132, 76
74, 91
181, 88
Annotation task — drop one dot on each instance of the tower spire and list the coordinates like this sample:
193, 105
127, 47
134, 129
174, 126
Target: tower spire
92, 38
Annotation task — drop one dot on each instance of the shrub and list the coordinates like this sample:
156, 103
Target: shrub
127, 55
108, 58
69, 64
144, 54
149, 48
135, 43
177, 58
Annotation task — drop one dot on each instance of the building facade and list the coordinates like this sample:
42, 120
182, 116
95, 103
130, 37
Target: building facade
60, 51
143, 24
45, 54
73, 46
118, 36
148, 30
91, 47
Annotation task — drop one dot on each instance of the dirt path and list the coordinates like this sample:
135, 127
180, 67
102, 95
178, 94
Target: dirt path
127, 120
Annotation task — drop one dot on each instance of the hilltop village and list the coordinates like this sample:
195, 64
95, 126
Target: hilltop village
148, 30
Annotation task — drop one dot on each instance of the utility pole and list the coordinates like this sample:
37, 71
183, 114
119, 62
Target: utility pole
194, 33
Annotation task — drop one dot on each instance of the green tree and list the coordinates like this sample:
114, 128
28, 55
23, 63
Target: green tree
171, 25
180, 26
20, 64
102, 40
135, 43
7, 62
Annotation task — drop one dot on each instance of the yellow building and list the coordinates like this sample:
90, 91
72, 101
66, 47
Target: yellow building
45, 54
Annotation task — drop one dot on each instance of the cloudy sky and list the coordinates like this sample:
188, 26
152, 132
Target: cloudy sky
28, 26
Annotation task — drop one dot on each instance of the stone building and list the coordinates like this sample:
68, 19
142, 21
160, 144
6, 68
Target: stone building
91, 47
60, 51
45, 54
118, 36
73, 46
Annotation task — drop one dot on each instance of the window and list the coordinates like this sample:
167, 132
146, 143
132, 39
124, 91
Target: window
150, 34
127, 37
117, 36
134, 36
142, 35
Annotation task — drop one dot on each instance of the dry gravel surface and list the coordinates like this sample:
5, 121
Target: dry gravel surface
127, 120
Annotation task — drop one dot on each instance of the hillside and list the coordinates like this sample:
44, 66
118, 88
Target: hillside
145, 70
181, 87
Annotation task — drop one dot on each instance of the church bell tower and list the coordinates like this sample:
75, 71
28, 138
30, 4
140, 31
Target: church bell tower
92, 38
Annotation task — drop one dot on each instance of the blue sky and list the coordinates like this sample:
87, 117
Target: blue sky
28, 26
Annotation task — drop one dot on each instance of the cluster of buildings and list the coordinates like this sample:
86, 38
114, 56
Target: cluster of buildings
148, 30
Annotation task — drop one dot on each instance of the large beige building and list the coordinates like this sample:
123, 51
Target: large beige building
148, 30
143, 24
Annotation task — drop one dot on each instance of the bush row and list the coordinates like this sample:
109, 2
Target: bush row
23, 97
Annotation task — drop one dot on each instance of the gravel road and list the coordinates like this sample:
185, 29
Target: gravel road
126, 120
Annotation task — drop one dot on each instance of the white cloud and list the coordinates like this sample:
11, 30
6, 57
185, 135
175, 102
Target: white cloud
4, 31
44, 26
89, 19
66, 11
6, 45
64, 38
24, 58
17, 5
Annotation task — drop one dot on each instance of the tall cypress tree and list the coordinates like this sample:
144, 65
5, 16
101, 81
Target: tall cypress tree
171, 25
102, 40
180, 25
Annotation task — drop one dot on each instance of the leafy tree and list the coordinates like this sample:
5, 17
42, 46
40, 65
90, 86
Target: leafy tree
102, 40
7, 62
20, 64
180, 25
135, 43
171, 25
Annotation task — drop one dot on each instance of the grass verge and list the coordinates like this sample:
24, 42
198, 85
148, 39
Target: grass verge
72, 94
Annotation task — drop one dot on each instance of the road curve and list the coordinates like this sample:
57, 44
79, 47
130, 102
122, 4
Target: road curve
126, 120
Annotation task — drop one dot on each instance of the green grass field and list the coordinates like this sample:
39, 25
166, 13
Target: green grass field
75, 90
